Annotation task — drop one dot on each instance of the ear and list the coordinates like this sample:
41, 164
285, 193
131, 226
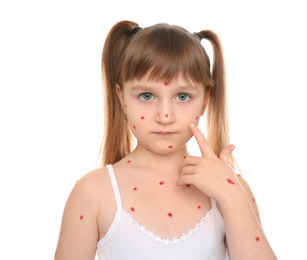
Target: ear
207, 98
120, 95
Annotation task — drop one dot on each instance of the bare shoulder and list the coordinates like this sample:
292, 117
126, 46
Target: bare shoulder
79, 223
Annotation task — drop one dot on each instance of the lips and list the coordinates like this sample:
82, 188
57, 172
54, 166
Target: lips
164, 133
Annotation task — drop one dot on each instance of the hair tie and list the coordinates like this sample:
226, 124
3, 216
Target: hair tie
198, 36
135, 30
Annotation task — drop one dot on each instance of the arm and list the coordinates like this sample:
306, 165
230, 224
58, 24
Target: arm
215, 177
79, 233
245, 238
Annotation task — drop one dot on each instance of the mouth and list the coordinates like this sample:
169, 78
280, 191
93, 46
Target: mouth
164, 133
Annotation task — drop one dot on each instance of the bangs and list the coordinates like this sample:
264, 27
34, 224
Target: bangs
162, 52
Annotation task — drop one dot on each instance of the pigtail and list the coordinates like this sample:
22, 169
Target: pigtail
117, 142
217, 112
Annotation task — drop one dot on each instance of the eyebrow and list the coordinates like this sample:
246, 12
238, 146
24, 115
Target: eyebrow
148, 88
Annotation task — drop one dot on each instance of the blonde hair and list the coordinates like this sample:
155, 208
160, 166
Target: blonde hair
161, 51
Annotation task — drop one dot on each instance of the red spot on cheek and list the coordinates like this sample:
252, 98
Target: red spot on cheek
129, 161
170, 147
230, 181
170, 214
254, 200
199, 207
81, 217
132, 209
257, 238
184, 157
135, 188
196, 118
142, 117
188, 185
134, 127
161, 182
165, 83
166, 115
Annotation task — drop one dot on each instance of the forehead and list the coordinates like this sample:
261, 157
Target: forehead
177, 82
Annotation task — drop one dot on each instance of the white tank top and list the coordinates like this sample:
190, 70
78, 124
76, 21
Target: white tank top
127, 239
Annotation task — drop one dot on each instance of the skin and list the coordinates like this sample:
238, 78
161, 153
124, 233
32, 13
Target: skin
160, 173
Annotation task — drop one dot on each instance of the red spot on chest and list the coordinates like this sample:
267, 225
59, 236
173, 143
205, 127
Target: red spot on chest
135, 188
161, 182
81, 217
170, 214
199, 207
230, 181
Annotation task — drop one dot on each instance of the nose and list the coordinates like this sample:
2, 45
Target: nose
165, 113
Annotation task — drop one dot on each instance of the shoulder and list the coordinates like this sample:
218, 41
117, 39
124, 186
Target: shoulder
79, 223
91, 188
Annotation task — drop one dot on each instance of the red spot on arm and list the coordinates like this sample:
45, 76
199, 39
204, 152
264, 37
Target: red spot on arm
170, 214
257, 238
161, 182
81, 217
170, 147
230, 181
132, 209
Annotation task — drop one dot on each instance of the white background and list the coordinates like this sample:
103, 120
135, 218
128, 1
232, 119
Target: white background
51, 112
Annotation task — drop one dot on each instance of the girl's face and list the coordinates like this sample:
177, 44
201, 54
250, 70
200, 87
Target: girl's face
159, 113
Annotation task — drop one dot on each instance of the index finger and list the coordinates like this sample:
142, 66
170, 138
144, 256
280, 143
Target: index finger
203, 144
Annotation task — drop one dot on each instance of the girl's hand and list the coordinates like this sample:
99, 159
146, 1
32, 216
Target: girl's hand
212, 175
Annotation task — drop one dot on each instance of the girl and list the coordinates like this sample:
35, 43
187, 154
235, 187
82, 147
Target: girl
157, 201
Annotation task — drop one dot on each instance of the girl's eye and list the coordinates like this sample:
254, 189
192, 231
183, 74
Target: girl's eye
183, 97
146, 96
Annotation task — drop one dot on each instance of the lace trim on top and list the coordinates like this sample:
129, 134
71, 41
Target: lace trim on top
168, 241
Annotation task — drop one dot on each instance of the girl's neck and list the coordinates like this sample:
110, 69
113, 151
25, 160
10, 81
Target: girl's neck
159, 162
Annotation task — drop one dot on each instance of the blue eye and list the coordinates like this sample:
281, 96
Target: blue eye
146, 96
183, 97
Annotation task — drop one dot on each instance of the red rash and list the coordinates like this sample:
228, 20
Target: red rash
134, 127
81, 217
165, 83
135, 188
129, 161
170, 147
161, 182
170, 214
230, 181
132, 208
257, 238
142, 117
166, 115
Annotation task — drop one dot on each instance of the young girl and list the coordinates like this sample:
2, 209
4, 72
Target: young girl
157, 201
